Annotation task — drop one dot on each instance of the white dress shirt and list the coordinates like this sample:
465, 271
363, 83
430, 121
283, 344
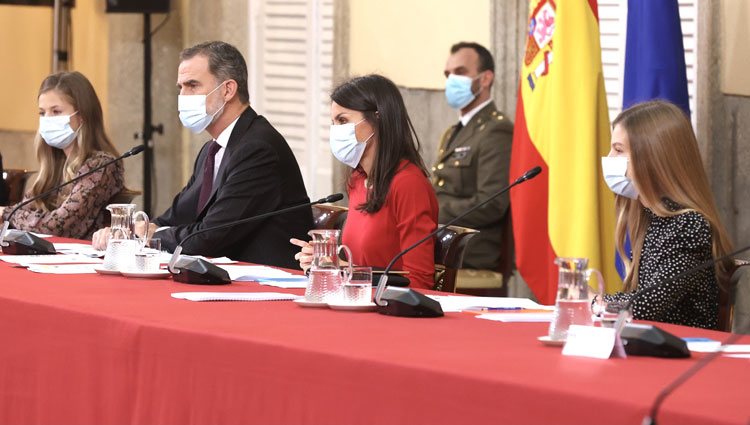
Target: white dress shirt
469, 115
223, 140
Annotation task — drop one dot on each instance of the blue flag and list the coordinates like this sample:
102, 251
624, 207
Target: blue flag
654, 62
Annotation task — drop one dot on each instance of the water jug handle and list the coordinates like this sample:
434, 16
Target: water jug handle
143, 239
600, 289
348, 270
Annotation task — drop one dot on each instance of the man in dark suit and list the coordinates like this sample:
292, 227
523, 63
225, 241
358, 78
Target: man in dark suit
245, 170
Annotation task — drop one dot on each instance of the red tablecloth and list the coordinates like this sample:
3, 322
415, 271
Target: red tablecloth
91, 349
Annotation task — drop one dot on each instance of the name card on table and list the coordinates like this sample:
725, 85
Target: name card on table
593, 342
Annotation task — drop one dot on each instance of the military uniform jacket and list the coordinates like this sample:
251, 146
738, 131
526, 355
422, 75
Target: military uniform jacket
469, 170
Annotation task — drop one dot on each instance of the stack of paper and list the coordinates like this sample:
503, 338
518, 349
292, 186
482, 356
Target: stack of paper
25, 260
234, 296
266, 276
78, 248
451, 303
63, 268
519, 316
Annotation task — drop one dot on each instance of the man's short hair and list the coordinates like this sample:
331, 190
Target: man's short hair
225, 62
486, 63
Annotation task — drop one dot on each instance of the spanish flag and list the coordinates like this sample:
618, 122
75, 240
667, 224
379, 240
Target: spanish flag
562, 124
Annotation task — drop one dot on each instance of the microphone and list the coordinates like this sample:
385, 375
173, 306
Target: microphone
197, 271
650, 340
405, 302
19, 242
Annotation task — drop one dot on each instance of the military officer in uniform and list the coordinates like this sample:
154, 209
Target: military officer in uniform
474, 154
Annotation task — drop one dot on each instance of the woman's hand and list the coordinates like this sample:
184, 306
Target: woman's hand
305, 254
100, 238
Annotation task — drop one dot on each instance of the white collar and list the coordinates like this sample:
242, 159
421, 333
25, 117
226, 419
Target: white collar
469, 115
223, 138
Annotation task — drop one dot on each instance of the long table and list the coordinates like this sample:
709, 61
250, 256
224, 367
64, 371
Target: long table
93, 349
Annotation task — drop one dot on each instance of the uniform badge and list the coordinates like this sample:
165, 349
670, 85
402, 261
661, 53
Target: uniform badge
461, 152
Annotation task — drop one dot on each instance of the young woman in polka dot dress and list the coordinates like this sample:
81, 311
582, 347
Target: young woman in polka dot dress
664, 203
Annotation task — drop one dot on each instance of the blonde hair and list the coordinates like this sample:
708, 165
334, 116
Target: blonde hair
665, 163
54, 166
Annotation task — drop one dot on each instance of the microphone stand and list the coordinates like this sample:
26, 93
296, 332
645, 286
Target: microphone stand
669, 389
25, 243
405, 302
197, 271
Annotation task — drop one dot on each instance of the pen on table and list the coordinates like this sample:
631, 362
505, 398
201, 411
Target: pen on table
493, 308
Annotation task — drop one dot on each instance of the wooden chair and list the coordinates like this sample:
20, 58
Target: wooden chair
16, 181
329, 216
492, 283
734, 301
450, 247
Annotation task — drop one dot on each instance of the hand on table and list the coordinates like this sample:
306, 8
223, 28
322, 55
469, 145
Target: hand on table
100, 238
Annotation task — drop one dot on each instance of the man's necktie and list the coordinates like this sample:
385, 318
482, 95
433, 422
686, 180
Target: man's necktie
208, 175
456, 129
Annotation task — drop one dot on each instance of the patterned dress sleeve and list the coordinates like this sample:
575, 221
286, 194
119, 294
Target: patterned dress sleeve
78, 206
680, 246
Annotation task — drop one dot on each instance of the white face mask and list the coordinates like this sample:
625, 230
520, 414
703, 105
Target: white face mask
614, 169
344, 144
56, 131
193, 112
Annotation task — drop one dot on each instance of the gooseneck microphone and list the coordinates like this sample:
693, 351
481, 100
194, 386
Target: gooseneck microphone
405, 302
650, 340
683, 377
197, 271
24, 243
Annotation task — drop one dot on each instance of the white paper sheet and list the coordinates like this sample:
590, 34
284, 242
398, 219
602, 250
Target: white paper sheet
49, 259
736, 348
452, 303
589, 341
234, 296
518, 317
254, 273
63, 268
78, 248
292, 282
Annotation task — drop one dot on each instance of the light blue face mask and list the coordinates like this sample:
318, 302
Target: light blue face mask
344, 144
458, 90
614, 169
194, 112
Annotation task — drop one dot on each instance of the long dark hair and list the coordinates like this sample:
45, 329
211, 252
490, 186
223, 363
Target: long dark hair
382, 105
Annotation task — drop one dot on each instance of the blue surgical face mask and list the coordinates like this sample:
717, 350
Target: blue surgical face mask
193, 112
56, 131
344, 144
614, 169
458, 90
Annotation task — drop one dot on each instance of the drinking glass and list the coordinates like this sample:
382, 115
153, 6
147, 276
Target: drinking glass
358, 290
147, 259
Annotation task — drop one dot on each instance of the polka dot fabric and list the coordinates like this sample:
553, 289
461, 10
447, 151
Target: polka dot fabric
671, 246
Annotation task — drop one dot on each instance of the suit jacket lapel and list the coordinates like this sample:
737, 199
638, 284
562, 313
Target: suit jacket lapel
467, 132
243, 124
461, 138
